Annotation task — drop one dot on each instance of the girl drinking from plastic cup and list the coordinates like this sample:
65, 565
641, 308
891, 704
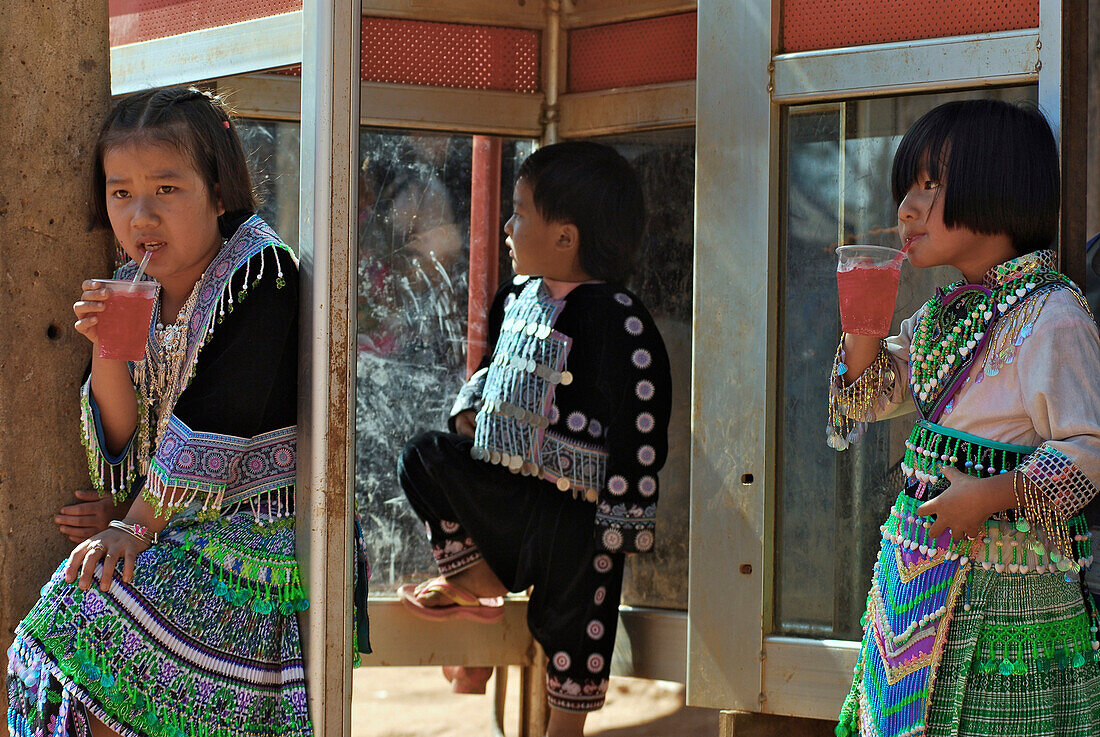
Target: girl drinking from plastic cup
180, 619
977, 623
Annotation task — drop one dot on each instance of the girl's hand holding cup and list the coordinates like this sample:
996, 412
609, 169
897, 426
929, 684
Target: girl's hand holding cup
115, 316
93, 300
867, 285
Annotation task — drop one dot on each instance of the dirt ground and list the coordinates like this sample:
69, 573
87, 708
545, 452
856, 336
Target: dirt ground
417, 702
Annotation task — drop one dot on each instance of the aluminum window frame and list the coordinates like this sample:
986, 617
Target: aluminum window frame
653, 640
224, 51
326, 433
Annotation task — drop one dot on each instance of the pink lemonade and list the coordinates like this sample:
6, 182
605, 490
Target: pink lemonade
124, 323
867, 296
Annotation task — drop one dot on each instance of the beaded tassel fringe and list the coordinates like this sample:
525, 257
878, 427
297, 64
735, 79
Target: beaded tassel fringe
1035, 511
167, 497
930, 447
117, 479
851, 407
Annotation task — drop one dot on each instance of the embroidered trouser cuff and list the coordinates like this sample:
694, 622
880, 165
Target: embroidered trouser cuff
452, 549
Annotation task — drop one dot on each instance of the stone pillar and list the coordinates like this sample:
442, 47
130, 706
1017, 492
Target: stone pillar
749, 724
54, 92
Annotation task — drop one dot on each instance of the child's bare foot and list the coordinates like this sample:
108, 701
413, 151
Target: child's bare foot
478, 579
565, 723
467, 679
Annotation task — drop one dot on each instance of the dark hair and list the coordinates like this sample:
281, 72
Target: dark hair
594, 188
998, 163
195, 122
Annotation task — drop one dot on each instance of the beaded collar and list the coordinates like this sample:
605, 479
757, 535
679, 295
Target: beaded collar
958, 321
1029, 263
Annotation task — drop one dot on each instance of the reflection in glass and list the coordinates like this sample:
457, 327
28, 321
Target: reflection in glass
665, 162
414, 261
413, 265
836, 161
273, 148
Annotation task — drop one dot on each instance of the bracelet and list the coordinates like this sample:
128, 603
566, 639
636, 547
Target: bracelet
141, 532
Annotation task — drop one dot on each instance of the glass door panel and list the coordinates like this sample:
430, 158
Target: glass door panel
836, 160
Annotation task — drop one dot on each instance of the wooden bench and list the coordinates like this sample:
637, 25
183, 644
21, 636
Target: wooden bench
651, 643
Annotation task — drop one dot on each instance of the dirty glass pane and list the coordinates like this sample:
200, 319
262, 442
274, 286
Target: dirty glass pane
414, 200
665, 161
273, 148
414, 261
836, 184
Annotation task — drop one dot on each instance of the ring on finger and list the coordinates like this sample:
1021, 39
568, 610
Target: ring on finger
97, 545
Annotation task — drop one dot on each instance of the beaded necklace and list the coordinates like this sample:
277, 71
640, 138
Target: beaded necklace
158, 377
957, 323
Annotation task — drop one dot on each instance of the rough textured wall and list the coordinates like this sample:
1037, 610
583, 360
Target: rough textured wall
54, 91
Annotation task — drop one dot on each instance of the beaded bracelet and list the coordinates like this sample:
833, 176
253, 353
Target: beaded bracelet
141, 532
851, 407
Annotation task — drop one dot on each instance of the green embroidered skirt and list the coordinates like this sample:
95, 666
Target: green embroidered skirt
1015, 662
1001, 642
203, 642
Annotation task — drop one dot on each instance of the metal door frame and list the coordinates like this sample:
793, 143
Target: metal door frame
733, 661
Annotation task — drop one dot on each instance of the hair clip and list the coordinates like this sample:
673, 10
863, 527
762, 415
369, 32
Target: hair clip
225, 124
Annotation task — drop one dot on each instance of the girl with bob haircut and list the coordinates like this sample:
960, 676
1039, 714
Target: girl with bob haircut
180, 619
977, 622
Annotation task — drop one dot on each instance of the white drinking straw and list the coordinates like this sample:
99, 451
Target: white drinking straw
141, 269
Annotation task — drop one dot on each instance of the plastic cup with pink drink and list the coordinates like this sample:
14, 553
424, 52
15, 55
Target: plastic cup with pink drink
867, 280
123, 324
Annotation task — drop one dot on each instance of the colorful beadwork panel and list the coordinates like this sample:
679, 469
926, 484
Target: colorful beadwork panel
633, 53
836, 161
473, 57
132, 21
807, 25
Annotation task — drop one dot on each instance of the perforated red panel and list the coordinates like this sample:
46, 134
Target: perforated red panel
142, 20
450, 55
829, 24
634, 53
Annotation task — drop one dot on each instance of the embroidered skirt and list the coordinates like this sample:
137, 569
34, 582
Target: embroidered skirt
974, 640
203, 642
1018, 662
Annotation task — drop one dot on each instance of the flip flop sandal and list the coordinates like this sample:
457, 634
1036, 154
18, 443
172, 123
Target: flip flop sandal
464, 603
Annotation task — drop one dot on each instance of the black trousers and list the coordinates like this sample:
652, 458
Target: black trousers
531, 535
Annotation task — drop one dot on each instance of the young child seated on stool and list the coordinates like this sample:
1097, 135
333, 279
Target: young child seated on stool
551, 475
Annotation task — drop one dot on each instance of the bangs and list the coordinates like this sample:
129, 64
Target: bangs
924, 147
171, 135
